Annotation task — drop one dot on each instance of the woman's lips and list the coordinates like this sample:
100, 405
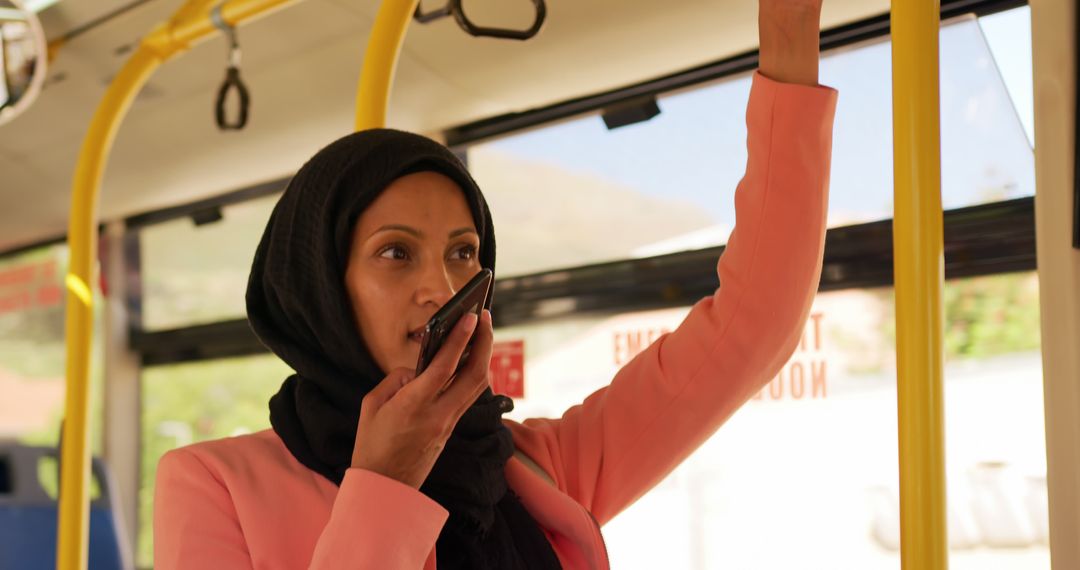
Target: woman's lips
416, 335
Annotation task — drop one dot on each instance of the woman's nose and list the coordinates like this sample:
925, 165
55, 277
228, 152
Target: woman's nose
435, 286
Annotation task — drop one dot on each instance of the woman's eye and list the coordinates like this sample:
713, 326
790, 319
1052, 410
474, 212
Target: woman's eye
395, 252
466, 252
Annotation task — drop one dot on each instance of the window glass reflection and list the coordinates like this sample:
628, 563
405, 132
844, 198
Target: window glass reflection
805, 474
576, 193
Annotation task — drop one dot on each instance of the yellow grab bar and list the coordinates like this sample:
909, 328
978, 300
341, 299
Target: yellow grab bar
380, 61
189, 24
919, 271
71, 549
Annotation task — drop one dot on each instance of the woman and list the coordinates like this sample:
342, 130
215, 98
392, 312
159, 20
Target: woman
368, 466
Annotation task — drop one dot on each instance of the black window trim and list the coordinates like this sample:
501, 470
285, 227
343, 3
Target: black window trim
979, 240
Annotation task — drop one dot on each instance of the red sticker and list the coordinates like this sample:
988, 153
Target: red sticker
508, 368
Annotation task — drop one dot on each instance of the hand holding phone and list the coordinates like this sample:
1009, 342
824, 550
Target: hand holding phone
474, 297
406, 420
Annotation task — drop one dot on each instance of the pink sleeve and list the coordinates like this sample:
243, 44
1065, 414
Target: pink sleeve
376, 522
400, 535
626, 437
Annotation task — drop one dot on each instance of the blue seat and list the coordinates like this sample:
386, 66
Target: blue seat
28, 515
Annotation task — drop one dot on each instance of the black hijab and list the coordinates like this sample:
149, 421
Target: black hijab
299, 308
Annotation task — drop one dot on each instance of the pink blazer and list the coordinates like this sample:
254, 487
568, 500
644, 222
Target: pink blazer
245, 502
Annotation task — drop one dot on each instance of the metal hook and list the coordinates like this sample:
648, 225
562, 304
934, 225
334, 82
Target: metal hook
431, 16
232, 76
230, 35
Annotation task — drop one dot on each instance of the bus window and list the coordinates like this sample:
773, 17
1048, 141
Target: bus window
195, 274
665, 185
811, 461
32, 348
1008, 34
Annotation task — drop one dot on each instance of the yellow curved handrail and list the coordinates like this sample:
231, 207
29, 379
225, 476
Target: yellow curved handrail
189, 24
71, 549
919, 268
380, 61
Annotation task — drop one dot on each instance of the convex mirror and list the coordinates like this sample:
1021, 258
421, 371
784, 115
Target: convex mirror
23, 58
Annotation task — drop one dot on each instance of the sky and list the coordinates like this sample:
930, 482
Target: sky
694, 151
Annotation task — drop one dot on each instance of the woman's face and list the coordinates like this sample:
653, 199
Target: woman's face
412, 249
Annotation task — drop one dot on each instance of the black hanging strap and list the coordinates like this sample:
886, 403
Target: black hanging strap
232, 78
454, 8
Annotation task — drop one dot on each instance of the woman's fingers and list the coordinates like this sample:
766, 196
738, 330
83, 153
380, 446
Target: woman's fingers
428, 385
473, 378
383, 392
386, 389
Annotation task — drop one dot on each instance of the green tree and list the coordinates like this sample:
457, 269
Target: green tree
984, 316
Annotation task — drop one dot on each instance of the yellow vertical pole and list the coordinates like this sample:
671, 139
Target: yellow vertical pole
380, 61
189, 23
71, 546
919, 271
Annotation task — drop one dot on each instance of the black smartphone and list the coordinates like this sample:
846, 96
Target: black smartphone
474, 297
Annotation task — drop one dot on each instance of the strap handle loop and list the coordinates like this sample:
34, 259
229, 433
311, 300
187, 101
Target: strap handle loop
232, 82
454, 8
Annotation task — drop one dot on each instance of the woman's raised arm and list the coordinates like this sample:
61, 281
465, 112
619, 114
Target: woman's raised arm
626, 437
